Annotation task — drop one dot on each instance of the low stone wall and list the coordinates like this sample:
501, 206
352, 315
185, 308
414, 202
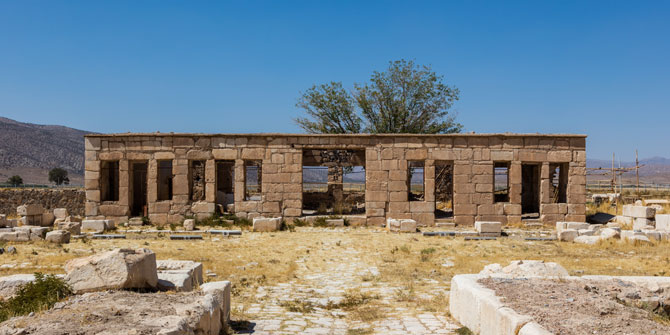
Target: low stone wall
71, 198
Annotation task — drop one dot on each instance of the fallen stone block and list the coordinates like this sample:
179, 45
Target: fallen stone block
663, 222
608, 233
401, 225
220, 292
624, 220
58, 236
267, 224
116, 269
488, 227
642, 223
335, 222
189, 224
97, 226
590, 240
9, 285
73, 227
182, 276
31, 220
29, 210
567, 235
15, 236
652, 234
525, 268
577, 225
60, 213
643, 212
47, 219
586, 232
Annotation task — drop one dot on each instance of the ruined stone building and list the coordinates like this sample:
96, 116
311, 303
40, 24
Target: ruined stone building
459, 177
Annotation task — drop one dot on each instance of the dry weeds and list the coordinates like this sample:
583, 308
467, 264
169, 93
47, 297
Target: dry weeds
411, 262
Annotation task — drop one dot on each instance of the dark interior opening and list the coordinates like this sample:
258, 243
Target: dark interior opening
164, 180
109, 181
225, 185
138, 192
559, 182
530, 190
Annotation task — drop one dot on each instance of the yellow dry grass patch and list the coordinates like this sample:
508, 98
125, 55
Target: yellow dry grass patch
409, 262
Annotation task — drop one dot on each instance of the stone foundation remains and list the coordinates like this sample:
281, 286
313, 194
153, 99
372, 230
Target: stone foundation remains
462, 177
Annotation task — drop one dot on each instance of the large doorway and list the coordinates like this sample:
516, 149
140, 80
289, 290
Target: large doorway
138, 193
444, 190
530, 190
225, 186
333, 182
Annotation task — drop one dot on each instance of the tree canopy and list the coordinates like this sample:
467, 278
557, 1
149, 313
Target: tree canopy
15, 180
406, 98
59, 176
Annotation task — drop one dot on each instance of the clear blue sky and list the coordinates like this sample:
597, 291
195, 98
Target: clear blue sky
598, 68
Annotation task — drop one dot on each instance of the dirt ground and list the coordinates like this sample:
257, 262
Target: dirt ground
582, 307
347, 280
120, 312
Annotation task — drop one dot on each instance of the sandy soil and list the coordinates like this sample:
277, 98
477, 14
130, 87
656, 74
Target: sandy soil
582, 307
112, 312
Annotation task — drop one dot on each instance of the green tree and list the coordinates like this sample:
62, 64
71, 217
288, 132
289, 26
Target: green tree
15, 180
406, 98
331, 110
59, 176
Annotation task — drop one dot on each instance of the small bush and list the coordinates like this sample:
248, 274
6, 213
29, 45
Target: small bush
320, 222
298, 306
464, 331
426, 253
352, 298
35, 296
299, 223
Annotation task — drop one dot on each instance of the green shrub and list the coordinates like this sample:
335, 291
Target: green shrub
320, 222
299, 223
464, 331
35, 296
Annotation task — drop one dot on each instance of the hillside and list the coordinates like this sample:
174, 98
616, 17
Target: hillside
653, 170
31, 150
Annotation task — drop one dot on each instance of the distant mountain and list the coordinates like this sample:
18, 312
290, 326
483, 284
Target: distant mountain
653, 170
31, 150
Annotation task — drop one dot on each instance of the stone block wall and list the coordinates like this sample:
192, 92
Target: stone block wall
386, 172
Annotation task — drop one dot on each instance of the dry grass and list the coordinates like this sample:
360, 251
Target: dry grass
409, 262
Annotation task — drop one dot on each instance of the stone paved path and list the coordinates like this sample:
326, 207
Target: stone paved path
345, 270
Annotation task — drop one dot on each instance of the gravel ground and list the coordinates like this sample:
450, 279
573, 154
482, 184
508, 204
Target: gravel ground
583, 307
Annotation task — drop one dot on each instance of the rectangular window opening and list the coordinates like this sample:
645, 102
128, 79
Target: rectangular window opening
416, 180
197, 180
501, 181
252, 180
109, 181
559, 182
164, 180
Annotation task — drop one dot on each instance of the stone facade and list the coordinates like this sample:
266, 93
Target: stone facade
530, 159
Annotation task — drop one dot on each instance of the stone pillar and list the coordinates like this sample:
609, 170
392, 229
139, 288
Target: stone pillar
335, 186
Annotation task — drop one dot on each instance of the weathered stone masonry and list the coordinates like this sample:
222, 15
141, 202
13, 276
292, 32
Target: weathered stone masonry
530, 160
